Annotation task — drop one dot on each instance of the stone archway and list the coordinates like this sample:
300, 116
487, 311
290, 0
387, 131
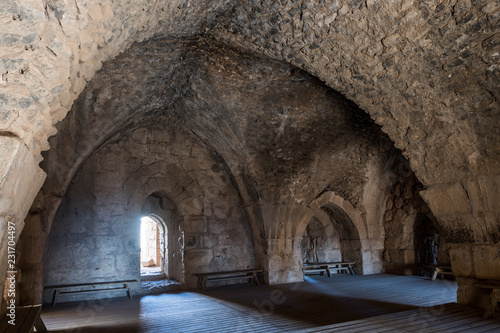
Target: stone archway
320, 242
164, 212
438, 99
350, 224
337, 224
350, 243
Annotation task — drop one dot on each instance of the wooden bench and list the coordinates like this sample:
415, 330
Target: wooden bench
90, 287
23, 320
248, 274
328, 268
494, 287
442, 270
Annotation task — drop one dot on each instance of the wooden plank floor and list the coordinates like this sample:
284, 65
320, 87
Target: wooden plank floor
343, 303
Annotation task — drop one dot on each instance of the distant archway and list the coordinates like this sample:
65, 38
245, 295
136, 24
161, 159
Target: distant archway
330, 236
320, 242
350, 242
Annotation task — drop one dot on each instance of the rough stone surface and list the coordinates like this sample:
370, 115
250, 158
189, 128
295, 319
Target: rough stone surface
427, 72
93, 240
318, 245
20, 177
274, 142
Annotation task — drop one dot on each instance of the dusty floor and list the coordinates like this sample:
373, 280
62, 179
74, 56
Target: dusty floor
372, 303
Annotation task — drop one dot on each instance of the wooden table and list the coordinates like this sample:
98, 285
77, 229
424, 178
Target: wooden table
328, 267
249, 274
494, 287
26, 317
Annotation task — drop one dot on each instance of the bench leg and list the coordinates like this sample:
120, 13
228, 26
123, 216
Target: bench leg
204, 283
492, 306
39, 325
256, 279
434, 276
198, 283
328, 272
128, 291
54, 298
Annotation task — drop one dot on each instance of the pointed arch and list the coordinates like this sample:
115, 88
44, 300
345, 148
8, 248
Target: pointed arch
351, 225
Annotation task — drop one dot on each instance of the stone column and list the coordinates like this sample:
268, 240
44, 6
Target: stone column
284, 265
469, 214
20, 180
283, 258
471, 263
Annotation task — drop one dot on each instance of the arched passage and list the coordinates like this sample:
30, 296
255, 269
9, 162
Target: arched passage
426, 242
163, 212
350, 243
330, 235
153, 247
350, 224
320, 242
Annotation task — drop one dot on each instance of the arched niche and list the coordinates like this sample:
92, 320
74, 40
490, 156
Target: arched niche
320, 242
350, 242
350, 225
335, 236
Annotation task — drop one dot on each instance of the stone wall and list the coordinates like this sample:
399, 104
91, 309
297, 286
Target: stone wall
427, 72
403, 229
320, 243
95, 236
20, 177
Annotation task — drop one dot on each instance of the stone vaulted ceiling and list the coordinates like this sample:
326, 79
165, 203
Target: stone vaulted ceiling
425, 72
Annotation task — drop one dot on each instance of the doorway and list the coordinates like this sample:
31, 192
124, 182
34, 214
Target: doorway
151, 257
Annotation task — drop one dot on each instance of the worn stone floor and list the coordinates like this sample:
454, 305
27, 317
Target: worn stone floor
371, 303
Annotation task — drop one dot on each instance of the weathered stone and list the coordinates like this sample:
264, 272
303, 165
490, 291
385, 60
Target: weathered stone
447, 199
201, 257
486, 261
461, 261
428, 73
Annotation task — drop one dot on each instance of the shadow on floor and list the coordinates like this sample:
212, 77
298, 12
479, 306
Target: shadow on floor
300, 302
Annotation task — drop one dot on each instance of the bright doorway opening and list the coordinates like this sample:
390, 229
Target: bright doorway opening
151, 254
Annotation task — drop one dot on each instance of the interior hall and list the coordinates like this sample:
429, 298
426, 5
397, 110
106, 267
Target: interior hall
341, 156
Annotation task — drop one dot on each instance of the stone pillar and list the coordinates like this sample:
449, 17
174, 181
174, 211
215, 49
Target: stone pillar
282, 260
471, 263
284, 263
469, 215
32, 245
20, 180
